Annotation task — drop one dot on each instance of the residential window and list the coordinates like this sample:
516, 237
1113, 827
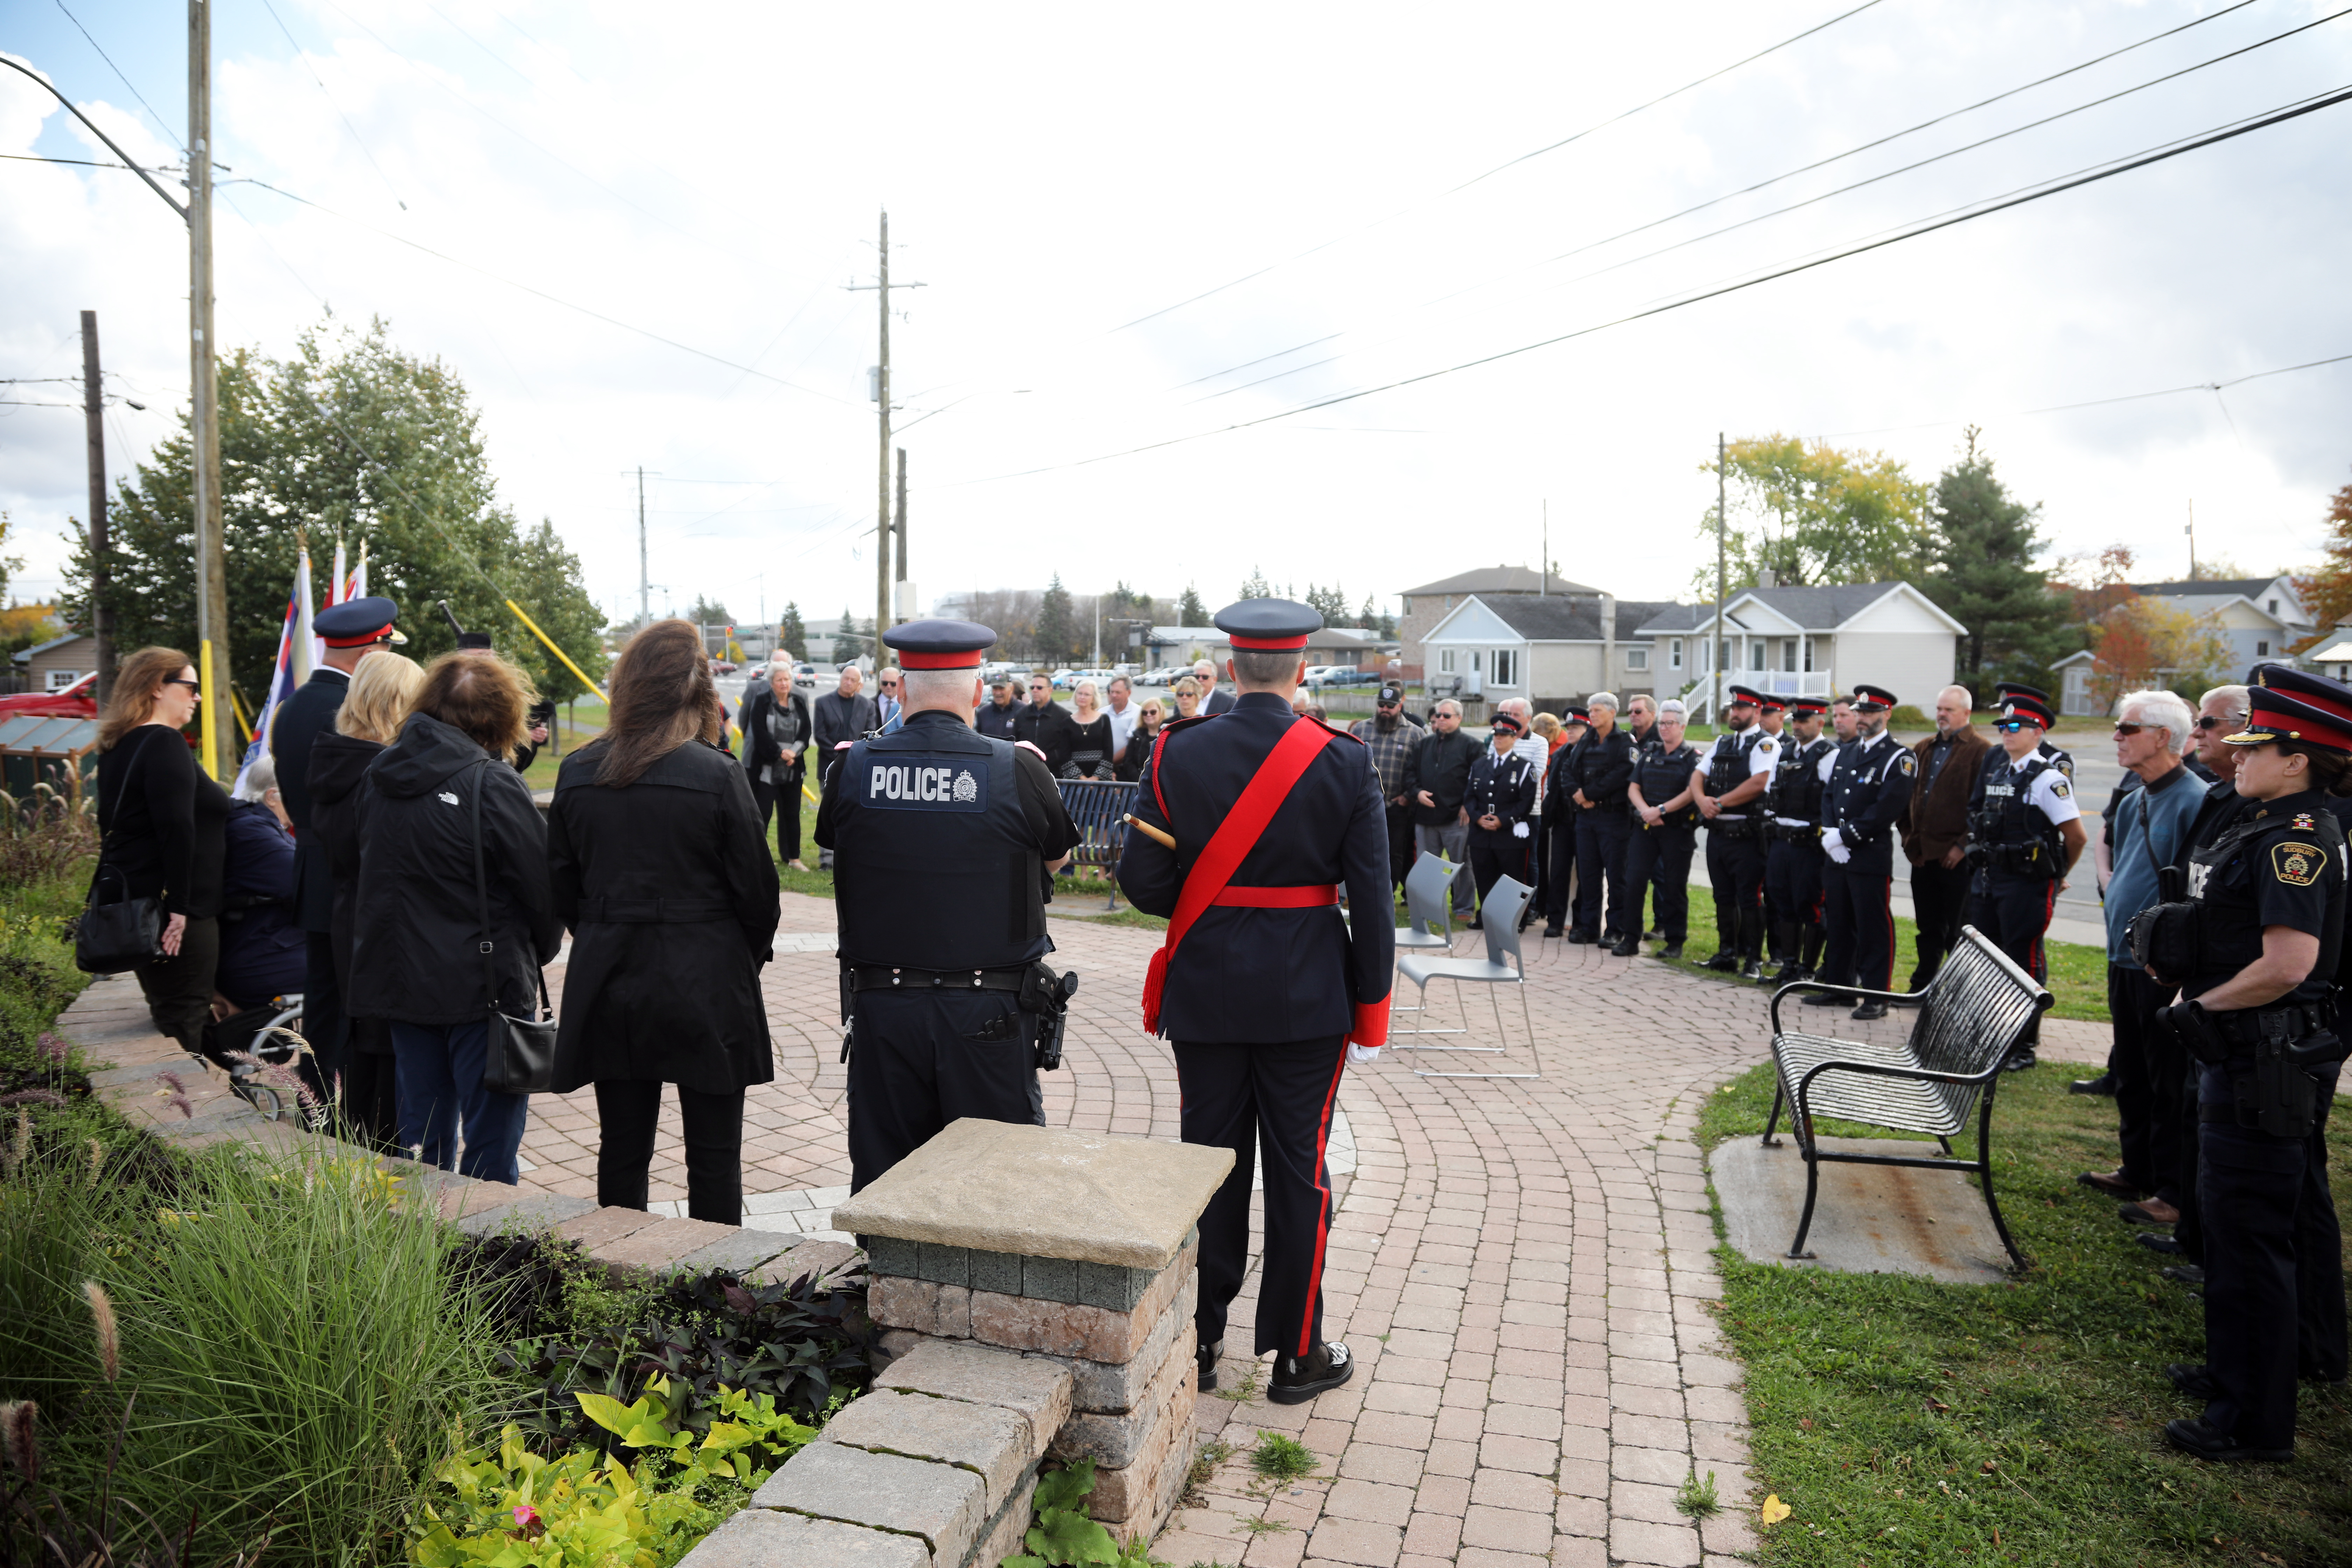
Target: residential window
1474, 661
1674, 653
1445, 661
2275, 606
1789, 656
61, 678
1637, 659
2261, 648
1756, 656
1809, 655
1507, 663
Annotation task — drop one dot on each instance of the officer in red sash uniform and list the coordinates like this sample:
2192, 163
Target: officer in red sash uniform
1266, 991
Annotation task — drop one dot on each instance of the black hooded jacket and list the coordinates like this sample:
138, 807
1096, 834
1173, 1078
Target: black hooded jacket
416, 938
337, 764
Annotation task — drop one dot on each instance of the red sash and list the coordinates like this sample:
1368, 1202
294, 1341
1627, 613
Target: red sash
1236, 837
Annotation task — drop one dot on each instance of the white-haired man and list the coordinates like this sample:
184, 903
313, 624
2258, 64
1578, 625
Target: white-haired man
1214, 699
1597, 774
2153, 826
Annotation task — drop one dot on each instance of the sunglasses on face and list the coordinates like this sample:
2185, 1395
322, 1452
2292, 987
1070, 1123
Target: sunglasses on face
2012, 726
193, 689
2208, 722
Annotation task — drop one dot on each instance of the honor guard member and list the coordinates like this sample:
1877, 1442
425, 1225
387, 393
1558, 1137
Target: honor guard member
1665, 824
1869, 784
1792, 867
351, 631
2258, 946
1731, 783
2025, 839
1501, 806
943, 841
1249, 827
1598, 769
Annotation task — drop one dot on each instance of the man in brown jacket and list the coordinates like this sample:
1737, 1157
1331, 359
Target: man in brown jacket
1936, 829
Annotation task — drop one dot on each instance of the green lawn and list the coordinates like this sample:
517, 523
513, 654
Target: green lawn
1910, 1422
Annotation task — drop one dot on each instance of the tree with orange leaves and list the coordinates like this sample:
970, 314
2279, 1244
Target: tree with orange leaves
2327, 592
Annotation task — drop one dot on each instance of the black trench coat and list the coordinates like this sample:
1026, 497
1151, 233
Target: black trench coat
670, 895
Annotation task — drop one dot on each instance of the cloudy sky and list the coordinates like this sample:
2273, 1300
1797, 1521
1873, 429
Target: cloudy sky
1363, 187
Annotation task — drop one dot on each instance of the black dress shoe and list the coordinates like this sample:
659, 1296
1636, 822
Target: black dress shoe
2218, 1447
1672, 950
2184, 1273
2019, 1061
1831, 999
2155, 1241
1580, 937
1300, 1378
2104, 1084
2192, 1381
1873, 1008
1751, 970
2133, 1214
1653, 936
1552, 930
1723, 963
1207, 1356
1475, 924
1628, 947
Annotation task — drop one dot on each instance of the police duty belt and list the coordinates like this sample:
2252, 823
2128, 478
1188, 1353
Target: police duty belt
878, 978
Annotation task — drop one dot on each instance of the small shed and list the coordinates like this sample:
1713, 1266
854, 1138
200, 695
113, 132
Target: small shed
60, 753
2077, 700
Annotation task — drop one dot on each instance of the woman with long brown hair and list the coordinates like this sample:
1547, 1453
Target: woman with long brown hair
662, 871
164, 827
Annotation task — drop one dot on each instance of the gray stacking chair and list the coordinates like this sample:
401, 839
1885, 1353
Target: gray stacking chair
1498, 918
1426, 925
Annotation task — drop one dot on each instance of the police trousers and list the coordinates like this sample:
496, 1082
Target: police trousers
2014, 912
1793, 886
1735, 869
1939, 902
920, 1059
1600, 836
1660, 856
1271, 1105
2274, 1276
1495, 855
2151, 1068
1859, 924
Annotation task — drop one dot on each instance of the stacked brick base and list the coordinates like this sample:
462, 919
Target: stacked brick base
1123, 1335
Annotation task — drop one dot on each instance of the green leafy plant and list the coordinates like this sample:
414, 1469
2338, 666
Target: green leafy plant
1279, 1458
1064, 1537
1696, 1498
513, 1509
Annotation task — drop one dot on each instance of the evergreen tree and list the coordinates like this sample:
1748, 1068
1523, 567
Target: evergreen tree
1331, 604
791, 635
709, 612
1984, 543
1057, 626
1190, 611
1256, 587
845, 644
551, 591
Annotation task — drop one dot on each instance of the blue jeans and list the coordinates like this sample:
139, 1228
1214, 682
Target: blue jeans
440, 1068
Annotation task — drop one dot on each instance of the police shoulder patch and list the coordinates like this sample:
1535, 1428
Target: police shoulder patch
2297, 865
2059, 791
1909, 763
2304, 824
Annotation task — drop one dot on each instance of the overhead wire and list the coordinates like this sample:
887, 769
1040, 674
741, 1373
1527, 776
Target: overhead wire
354, 131
1913, 231
160, 123
1524, 157
2212, 386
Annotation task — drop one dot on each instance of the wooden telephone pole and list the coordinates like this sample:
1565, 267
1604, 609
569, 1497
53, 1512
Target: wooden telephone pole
882, 524
220, 748
1721, 576
101, 612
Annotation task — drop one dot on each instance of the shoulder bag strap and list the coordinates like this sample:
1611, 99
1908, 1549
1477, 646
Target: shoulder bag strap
482, 893
1245, 823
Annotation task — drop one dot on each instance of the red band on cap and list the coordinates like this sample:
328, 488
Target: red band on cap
967, 658
362, 640
1269, 645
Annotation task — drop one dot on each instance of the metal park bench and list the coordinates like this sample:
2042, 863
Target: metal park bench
1098, 807
1970, 1017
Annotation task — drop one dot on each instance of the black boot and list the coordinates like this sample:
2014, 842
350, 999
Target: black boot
1751, 945
1300, 1378
1207, 1356
1811, 942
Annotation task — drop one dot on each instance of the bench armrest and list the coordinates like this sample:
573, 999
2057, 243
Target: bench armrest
1891, 998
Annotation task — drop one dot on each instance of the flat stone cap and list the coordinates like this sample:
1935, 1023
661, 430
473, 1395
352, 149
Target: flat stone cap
1043, 1192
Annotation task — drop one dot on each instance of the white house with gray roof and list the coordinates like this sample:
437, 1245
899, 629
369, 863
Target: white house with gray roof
2258, 617
1808, 642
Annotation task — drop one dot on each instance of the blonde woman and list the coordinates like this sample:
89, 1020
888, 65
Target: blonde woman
1148, 718
1090, 740
164, 827
1188, 699
382, 691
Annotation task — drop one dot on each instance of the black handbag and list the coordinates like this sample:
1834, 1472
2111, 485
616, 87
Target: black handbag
2164, 937
117, 935
520, 1058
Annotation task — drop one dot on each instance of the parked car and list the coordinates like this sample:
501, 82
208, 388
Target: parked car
723, 667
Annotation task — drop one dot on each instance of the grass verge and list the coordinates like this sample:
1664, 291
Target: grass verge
1912, 1422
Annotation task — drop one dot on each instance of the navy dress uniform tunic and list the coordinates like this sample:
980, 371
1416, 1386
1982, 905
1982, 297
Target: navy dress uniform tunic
940, 837
1792, 866
1504, 789
1869, 784
1264, 991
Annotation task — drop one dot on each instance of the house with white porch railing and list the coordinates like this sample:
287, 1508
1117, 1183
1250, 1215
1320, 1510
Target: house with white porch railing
1807, 642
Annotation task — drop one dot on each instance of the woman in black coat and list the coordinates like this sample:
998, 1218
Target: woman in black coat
418, 932
777, 732
164, 829
661, 869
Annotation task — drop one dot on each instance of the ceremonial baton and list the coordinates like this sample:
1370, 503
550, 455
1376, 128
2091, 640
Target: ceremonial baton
1158, 835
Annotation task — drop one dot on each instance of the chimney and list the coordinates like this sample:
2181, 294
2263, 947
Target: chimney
1609, 644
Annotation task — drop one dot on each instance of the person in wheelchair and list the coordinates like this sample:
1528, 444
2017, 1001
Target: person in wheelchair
257, 984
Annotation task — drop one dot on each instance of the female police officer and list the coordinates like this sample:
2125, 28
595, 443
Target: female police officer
2258, 1014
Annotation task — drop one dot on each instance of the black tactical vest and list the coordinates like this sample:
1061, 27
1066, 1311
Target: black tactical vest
1795, 791
2303, 847
2018, 838
1664, 775
934, 866
1726, 770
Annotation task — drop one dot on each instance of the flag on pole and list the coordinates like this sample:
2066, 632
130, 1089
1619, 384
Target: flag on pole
288, 673
310, 652
359, 577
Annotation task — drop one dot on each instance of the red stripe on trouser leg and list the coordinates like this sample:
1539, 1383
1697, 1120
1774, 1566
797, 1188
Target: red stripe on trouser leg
1323, 1209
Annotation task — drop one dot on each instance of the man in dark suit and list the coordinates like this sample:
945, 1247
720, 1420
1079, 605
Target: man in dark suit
351, 631
1214, 699
1266, 991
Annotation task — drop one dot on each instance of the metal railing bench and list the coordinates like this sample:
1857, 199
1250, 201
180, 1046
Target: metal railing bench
1099, 808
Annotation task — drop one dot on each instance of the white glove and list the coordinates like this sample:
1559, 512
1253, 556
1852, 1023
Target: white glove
1519, 830
1834, 842
1358, 1055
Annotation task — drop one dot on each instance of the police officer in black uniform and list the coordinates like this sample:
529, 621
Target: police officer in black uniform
2265, 932
1665, 826
944, 840
351, 631
2057, 756
2024, 836
1731, 783
1269, 992
1598, 770
1792, 867
1501, 806
1869, 784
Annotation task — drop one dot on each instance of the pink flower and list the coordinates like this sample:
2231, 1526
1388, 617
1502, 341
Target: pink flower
525, 1516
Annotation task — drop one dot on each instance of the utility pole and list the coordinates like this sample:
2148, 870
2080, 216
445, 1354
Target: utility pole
204, 400
645, 588
882, 579
2192, 531
1543, 567
1721, 577
101, 612
902, 524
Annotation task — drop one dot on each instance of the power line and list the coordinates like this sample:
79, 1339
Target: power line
1818, 164
2212, 386
1913, 231
1552, 147
161, 122
338, 108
